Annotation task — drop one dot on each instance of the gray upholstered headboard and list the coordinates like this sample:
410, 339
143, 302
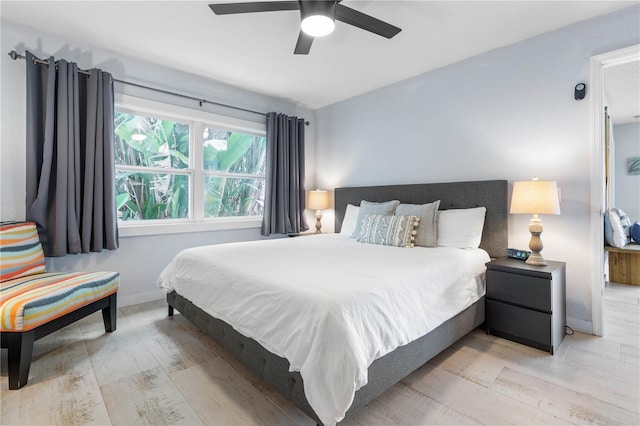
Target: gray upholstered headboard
491, 194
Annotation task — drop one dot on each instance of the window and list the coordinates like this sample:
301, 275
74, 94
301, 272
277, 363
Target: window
176, 166
234, 165
152, 167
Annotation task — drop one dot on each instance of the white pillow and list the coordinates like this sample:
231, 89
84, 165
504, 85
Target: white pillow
614, 231
350, 220
624, 220
461, 228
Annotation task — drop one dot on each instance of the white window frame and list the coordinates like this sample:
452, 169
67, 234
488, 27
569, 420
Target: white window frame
198, 120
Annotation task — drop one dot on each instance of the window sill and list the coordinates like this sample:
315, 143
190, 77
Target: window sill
141, 229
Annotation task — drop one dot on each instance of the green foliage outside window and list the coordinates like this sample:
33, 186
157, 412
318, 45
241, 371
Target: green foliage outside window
153, 165
234, 154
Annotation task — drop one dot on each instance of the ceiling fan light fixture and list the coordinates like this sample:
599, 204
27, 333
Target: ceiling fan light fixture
318, 17
317, 25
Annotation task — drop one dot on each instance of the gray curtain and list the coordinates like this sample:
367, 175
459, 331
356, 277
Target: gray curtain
284, 202
70, 157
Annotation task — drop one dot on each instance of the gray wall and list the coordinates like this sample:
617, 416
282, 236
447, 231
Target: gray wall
626, 139
139, 259
507, 114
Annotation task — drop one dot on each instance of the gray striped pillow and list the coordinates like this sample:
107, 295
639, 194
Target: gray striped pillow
398, 231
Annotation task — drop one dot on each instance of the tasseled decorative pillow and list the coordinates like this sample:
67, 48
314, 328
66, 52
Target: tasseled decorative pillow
398, 231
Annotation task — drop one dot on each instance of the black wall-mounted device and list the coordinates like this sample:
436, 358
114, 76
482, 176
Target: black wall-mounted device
580, 91
518, 254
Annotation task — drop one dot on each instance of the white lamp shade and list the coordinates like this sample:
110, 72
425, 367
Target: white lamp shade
535, 197
318, 200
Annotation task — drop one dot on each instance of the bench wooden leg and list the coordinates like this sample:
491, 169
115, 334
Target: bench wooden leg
109, 314
19, 353
170, 310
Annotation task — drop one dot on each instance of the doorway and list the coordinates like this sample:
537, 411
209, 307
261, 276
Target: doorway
598, 66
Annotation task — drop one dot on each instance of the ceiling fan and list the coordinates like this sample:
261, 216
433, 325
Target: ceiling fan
317, 18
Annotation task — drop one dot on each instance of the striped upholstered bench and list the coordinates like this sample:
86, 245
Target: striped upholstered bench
35, 303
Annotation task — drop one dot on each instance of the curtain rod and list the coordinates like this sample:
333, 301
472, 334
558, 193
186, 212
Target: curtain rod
15, 55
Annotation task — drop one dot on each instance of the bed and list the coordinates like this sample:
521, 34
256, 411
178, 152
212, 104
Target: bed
405, 351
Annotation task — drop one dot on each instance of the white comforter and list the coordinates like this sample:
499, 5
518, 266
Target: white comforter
328, 304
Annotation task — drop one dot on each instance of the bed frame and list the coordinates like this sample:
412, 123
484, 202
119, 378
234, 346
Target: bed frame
386, 371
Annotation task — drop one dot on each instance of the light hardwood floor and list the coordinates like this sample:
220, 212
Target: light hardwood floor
159, 370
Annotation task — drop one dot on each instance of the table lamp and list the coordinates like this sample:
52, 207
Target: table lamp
535, 197
318, 200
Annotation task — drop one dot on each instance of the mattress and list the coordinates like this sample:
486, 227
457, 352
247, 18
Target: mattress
328, 304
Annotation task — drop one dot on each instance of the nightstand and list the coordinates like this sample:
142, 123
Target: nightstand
526, 303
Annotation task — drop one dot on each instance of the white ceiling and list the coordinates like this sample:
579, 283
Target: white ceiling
255, 51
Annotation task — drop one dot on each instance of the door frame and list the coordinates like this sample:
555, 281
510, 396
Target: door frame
598, 64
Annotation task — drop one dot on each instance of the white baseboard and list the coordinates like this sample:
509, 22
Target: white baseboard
136, 299
580, 325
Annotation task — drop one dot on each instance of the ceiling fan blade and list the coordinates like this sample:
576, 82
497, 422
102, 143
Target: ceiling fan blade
366, 22
303, 46
250, 7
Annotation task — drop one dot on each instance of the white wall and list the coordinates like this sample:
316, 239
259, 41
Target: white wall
627, 187
139, 259
507, 114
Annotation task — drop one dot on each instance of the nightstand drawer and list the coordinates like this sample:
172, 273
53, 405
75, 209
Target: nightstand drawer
519, 324
523, 290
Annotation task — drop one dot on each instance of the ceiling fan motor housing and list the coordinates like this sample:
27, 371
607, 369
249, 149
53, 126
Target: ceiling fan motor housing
311, 7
